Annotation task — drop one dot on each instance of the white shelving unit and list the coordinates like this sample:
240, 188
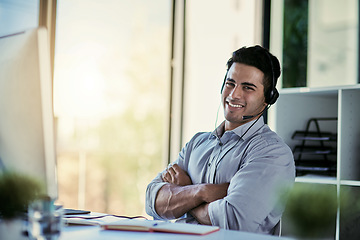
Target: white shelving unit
296, 106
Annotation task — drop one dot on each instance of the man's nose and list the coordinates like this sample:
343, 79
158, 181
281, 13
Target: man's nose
236, 93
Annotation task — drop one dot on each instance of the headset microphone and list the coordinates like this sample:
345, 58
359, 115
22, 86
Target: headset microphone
252, 116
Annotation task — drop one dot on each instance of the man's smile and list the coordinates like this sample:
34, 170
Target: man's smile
235, 105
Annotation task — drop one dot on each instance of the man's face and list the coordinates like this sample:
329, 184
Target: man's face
243, 94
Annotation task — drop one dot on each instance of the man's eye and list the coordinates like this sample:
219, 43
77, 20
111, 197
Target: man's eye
248, 88
230, 84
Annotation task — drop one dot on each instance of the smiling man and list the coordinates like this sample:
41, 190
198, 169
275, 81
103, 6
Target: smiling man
233, 177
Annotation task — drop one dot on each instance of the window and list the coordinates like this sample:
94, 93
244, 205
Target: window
18, 15
320, 42
110, 100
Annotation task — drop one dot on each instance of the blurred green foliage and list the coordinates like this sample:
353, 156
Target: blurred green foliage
311, 210
295, 43
17, 191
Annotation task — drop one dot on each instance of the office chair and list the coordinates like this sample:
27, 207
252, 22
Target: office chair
277, 229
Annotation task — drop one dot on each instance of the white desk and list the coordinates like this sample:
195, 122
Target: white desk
95, 232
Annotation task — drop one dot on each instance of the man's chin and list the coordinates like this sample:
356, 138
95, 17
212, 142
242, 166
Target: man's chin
235, 118
235, 121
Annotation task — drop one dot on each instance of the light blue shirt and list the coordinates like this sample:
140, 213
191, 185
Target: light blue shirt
259, 166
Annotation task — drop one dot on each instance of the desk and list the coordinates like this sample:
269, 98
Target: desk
95, 232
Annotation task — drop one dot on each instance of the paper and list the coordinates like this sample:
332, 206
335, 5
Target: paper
90, 220
159, 226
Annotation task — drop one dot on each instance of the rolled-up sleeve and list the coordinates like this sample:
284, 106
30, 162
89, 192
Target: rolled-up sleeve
155, 185
151, 193
254, 201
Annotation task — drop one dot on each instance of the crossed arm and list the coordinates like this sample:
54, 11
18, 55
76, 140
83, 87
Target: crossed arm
181, 196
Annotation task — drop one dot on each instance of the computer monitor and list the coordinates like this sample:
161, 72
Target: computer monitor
27, 141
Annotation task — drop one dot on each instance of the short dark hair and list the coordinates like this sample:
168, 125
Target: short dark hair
263, 60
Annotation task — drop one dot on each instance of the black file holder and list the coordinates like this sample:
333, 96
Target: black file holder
316, 153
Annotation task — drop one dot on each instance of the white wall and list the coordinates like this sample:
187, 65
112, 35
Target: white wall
213, 33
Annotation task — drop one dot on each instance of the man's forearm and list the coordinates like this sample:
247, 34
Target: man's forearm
173, 201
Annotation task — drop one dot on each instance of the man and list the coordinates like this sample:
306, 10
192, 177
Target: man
231, 177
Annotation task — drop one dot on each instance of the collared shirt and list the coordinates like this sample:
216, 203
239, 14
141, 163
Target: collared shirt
253, 159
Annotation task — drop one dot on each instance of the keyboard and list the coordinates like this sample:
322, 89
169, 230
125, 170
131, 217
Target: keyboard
70, 211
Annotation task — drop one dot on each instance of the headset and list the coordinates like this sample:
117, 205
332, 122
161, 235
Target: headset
270, 96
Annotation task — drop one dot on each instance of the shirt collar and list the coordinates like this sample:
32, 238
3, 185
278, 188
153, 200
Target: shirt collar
254, 126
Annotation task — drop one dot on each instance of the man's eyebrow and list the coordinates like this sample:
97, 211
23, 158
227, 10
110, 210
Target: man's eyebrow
248, 84
243, 83
230, 80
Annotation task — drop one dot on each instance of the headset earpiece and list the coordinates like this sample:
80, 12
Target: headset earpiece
273, 93
272, 97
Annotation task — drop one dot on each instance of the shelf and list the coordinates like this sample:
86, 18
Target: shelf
350, 183
313, 178
313, 150
314, 136
319, 169
293, 111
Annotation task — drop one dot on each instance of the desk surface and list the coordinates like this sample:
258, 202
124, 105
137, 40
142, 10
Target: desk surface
95, 232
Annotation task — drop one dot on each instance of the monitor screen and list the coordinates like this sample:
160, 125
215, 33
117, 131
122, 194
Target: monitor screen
27, 141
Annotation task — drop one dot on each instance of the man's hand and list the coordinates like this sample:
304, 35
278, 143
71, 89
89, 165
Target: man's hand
177, 176
209, 193
201, 214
